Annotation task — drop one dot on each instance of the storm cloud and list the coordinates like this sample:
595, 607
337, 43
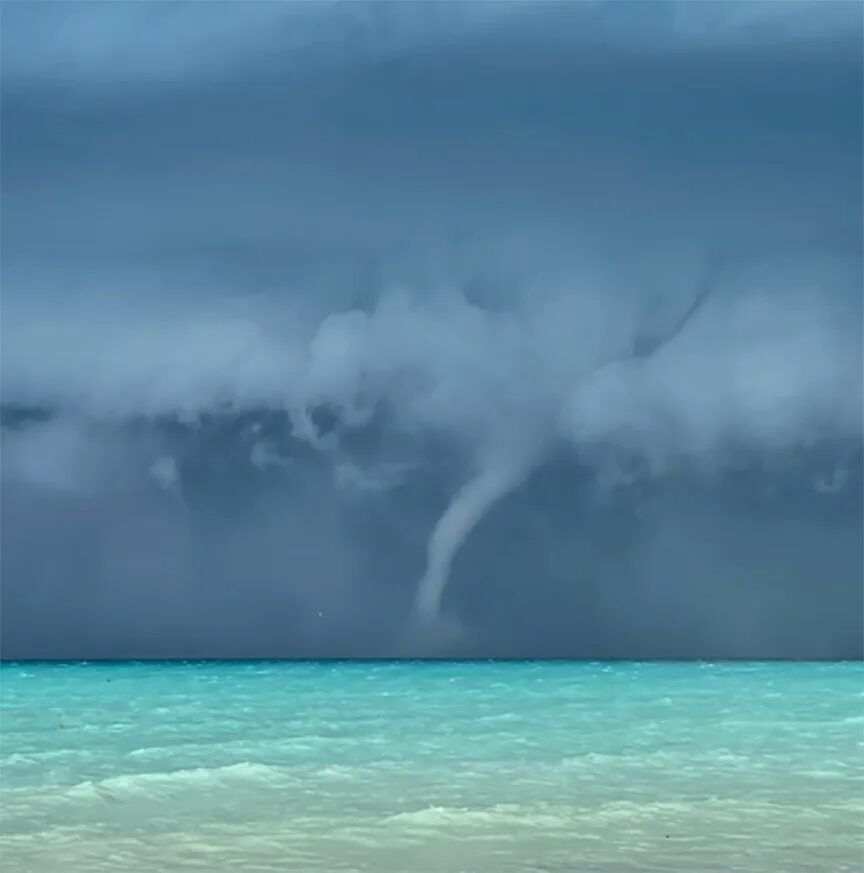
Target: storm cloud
432, 328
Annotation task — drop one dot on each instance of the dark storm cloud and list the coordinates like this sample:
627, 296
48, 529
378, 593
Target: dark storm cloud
270, 157
280, 279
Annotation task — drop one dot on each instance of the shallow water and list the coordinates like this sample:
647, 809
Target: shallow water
520, 766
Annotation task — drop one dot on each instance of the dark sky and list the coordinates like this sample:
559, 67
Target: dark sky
317, 322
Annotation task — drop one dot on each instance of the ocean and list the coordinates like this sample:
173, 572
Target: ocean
445, 767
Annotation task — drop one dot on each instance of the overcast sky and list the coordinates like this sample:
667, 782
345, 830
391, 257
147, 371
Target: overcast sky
318, 322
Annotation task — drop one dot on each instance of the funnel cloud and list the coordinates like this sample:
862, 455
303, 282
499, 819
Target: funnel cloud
465, 329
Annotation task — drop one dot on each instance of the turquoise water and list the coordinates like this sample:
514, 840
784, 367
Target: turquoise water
429, 766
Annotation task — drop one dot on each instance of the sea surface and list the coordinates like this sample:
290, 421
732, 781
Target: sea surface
431, 766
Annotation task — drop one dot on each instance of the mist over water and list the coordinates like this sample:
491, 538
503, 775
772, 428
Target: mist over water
541, 322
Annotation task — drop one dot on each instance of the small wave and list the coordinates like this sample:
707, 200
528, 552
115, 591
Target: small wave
340, 772
511, 815
633, 810
168, 782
